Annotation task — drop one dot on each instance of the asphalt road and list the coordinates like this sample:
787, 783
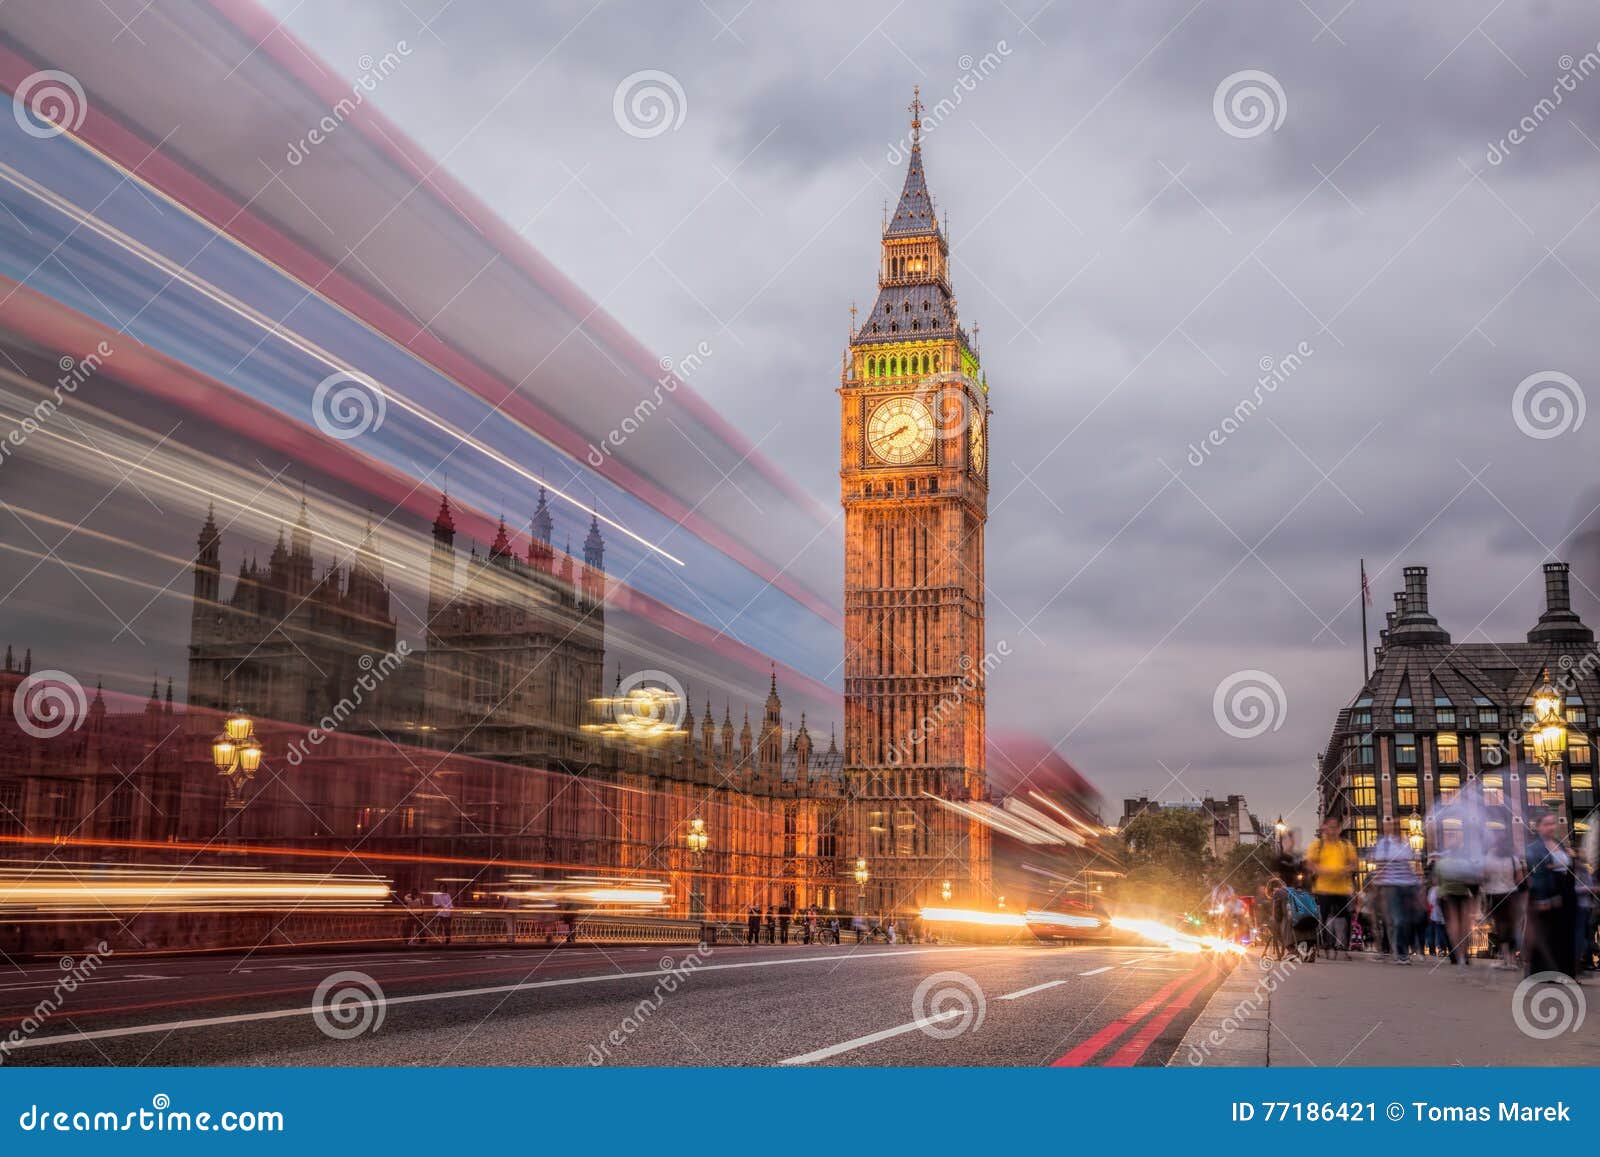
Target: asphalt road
763, 1005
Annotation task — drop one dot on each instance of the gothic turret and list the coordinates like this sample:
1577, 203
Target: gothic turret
539, 530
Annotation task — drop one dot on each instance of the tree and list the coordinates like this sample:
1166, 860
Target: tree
1246, 867
1169, 858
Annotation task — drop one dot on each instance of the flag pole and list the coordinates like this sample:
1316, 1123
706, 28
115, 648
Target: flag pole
1366, 652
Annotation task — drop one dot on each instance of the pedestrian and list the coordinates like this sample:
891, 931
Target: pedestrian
1332, 860
413, 919
752, 923
783, 923
444, 910
1502, 897
1436, 937
1548, 935
772, 926
1583, 925
1396, 882
1458, 874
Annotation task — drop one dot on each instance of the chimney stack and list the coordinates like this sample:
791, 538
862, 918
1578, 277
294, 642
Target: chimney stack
1414, 626
1559, 624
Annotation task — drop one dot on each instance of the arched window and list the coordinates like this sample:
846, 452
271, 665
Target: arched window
872, 367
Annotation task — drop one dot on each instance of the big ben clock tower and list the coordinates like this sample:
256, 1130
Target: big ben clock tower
914, 426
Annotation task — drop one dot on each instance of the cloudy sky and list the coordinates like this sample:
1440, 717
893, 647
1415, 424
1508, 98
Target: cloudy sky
1148, 204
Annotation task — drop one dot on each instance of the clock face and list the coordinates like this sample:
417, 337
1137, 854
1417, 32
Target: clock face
975, 439
900, 431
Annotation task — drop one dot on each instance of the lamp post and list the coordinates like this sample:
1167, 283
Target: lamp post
1282, 829
862, 876
697, 840
1548, 735
1414, 835
236, 754
944, 891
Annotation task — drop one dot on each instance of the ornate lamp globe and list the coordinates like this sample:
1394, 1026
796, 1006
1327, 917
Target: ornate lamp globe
249, 756
1548, 735
944, 890
224, 753
862, 875
238, 725
697, 839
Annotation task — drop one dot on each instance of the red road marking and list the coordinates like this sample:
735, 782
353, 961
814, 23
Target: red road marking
1130, 1053
1084, 1052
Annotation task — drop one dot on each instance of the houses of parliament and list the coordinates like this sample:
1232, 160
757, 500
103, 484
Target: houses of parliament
493, 754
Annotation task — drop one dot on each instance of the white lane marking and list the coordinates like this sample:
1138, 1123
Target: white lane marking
869, 1039
93, 981
1018, 995
456, 994
1097, 971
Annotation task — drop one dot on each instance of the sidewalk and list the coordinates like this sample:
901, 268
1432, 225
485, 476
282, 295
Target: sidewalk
1367, 1011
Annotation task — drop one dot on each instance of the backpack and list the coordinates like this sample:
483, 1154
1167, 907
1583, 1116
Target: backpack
1302, 905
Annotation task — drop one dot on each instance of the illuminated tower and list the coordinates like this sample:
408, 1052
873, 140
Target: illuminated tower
914, 483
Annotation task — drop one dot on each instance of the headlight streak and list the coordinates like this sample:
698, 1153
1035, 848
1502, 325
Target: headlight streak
1174, 939
99, 888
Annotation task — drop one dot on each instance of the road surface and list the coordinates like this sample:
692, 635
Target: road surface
762, 1005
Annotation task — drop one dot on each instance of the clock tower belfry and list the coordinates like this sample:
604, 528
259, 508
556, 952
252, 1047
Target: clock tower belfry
914, 428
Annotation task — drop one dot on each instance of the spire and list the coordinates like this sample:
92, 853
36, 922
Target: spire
542, 524
300, 541
444, 523
169, 695
500, 549
913, 215
594, 546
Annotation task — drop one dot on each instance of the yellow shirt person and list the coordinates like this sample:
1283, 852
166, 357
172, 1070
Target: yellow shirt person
1333, 862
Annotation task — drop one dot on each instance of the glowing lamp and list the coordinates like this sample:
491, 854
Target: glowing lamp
238, 725
249, 756
223, 753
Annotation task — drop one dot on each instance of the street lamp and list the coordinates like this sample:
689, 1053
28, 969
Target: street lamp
697, 840
1548, 735
1414, 830
862, 876
236, 753
944, 891
1282, 829
1002, 903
